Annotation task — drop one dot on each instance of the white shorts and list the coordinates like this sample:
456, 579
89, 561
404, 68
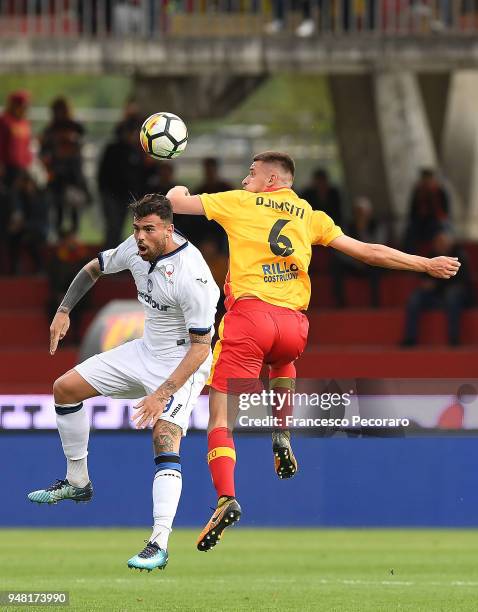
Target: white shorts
131, 371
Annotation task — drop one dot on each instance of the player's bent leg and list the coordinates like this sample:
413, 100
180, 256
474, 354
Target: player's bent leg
167, 485
72, 388
282, 383
221, 461
69, 392
245, 333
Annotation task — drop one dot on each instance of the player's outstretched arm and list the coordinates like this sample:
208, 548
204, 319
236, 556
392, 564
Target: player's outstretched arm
386, 257
183, 202
81, 284
150, 409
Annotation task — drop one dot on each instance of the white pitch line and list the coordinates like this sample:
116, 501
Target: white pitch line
390, 582
459, 583
329, 581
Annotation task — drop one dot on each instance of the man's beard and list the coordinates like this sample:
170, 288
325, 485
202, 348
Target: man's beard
151, 255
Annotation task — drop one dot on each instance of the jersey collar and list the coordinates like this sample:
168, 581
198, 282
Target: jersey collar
268, 190
161, 257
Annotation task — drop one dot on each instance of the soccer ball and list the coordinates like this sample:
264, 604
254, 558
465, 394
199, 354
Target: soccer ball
164, 136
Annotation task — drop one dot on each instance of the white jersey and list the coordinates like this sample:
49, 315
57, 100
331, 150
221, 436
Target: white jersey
177, 291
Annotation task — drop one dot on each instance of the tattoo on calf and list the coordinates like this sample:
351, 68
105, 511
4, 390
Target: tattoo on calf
165, 437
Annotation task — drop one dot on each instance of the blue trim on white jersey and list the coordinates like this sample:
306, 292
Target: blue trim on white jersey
161, 257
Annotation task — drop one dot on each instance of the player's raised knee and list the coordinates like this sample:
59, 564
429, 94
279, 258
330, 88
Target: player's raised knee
60, 390
65, 390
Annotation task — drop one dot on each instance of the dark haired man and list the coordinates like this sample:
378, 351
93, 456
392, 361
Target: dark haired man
169, 364
270, 232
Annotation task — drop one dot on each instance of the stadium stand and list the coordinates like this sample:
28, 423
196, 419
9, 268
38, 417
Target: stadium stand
354, 342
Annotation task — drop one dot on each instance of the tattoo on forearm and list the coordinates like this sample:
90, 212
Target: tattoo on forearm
197, 339
165, 437
81, 284
168, 388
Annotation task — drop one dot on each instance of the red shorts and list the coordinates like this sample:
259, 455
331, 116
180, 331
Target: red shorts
253, 333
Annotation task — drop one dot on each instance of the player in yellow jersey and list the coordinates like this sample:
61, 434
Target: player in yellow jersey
271, 232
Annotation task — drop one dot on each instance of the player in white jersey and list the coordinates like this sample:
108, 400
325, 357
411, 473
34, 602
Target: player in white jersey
169, 365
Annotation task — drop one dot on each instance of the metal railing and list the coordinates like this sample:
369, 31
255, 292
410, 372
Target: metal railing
152, 18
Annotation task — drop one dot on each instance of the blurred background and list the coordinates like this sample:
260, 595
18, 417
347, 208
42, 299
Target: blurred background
375, 100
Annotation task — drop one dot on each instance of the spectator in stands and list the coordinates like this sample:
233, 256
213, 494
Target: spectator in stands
212, 181
429, 209
61, 153
364, 227
28, 224
159, 176
444, 16
308, 25
66, 260
451, 296
324, 16
160, 179
131, 114
129, 17
94, 16
15, 137
217, 262
323, 195
120, 179
198, 225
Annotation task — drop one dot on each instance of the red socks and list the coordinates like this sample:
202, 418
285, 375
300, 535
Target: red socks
221, 458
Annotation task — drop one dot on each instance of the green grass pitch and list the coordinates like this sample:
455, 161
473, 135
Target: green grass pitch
251, 569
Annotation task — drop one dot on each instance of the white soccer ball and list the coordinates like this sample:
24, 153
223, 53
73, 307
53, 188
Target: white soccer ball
164, 136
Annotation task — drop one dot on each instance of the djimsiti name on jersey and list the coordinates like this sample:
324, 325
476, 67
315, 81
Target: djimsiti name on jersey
284, 206
279, 272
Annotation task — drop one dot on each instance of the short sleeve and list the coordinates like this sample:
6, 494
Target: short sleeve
323, 229
220, 206
115, 260
198, 299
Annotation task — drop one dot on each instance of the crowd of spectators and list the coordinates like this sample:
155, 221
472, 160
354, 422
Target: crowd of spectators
429, 232
29, 209
368, 15
32, 213
154, 17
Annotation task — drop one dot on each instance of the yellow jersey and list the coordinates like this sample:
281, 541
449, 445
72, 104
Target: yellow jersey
270, 243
